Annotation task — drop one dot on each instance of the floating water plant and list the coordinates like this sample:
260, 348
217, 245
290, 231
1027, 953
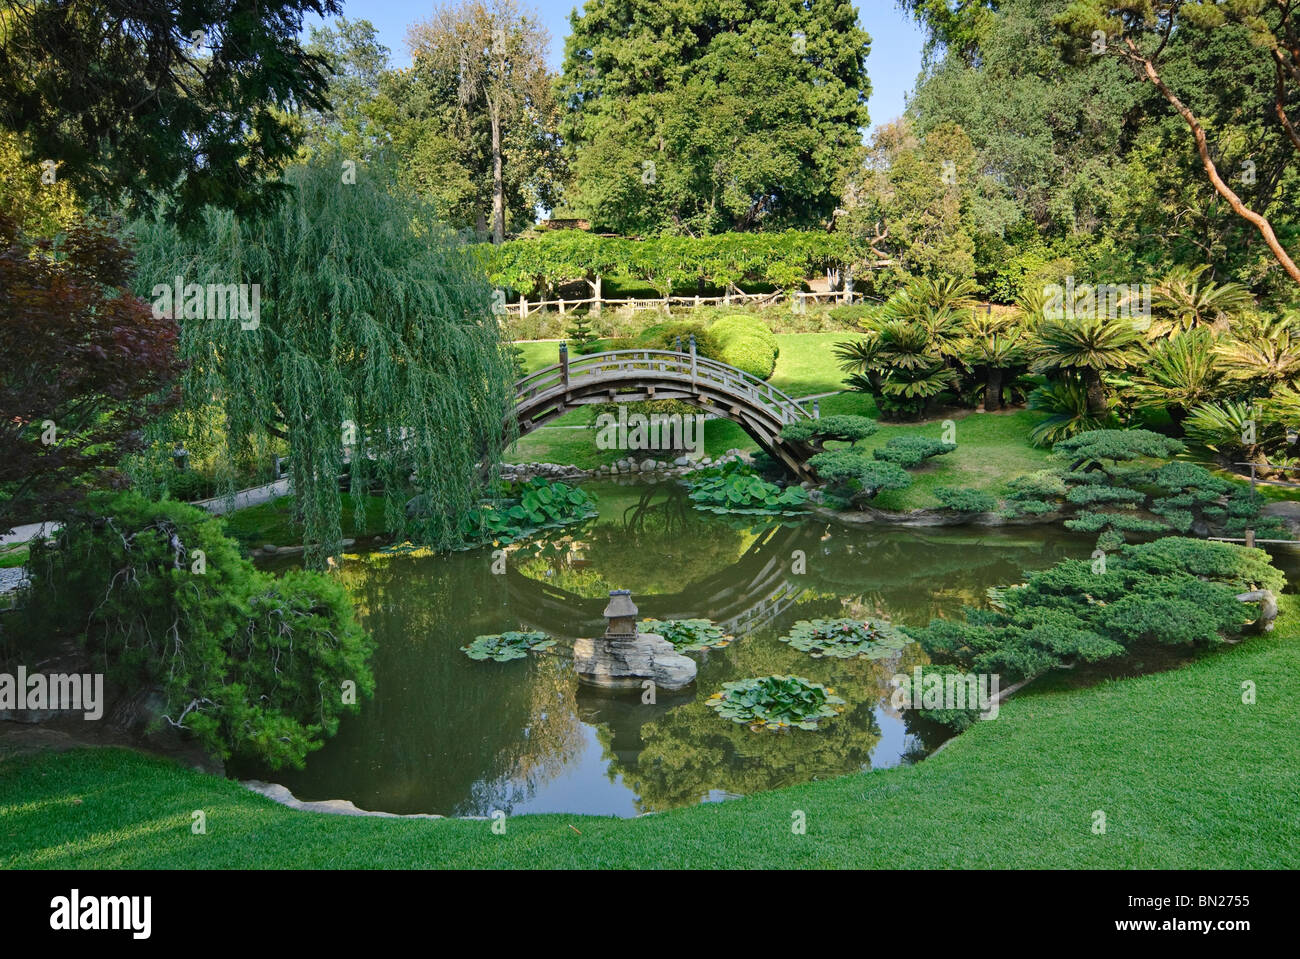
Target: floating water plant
845, 638
775, 702
687, 634
503, 647
734, 488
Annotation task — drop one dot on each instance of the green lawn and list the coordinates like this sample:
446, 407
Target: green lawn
991, 449
1186, 774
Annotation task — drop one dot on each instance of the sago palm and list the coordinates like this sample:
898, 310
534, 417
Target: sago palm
1089, 347
1183, 300
997, 347
922, 294
1263, 354
1069, 411
1178, 374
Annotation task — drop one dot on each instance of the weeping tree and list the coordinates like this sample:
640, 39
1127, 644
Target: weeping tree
367, 343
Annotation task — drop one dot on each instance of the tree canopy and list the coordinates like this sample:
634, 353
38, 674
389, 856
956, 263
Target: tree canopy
130, 97
376, 349
695, 116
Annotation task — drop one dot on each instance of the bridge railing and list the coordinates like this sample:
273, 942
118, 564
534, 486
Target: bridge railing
687, 367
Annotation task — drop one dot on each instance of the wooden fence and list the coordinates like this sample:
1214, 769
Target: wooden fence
799, 300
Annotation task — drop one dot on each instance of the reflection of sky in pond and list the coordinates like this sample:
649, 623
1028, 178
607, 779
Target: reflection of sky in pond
448, 735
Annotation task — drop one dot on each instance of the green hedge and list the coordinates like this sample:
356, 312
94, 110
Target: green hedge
746, 343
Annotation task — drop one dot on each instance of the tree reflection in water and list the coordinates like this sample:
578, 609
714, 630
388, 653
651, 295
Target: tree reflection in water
448, 735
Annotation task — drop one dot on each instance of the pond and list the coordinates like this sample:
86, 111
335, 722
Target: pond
445, 734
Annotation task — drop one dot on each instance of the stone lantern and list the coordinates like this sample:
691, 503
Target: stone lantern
625, 658
621, 613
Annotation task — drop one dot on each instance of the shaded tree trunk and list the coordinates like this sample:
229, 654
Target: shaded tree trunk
498, 183
1096, 391
993, 390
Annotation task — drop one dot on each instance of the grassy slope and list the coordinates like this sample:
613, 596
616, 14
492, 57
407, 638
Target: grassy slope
1187, 776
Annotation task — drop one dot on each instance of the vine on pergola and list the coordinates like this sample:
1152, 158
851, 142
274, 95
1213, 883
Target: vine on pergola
375, 336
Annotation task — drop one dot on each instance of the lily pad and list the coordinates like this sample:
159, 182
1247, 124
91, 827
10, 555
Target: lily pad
846, 638
687, 635
503, 647
775, 702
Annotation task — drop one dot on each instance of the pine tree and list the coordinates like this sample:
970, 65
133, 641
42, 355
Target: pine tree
581, 333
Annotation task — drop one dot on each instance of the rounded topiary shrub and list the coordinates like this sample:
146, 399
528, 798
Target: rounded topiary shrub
746, 343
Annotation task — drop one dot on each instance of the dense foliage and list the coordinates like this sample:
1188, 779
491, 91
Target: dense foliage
684, 116
1173, 592
130, 97
665, 263
251, 664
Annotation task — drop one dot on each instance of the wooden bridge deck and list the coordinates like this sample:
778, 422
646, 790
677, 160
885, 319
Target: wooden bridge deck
630, 376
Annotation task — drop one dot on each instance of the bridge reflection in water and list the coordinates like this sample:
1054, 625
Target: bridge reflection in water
447, 735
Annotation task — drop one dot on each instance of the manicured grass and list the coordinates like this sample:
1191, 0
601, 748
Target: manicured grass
274, 522
1187, 775
806, 364
11, 557
991, 449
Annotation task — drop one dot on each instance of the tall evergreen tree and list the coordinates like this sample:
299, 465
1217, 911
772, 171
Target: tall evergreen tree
697, 116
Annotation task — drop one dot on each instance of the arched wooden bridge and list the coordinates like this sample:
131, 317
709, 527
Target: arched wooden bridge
631, 376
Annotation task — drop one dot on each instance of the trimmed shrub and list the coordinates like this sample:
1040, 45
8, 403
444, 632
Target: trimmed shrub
250, 664
746, 343
962, 500
863, 477
664, 336
842, 428
912, 450
1174, 591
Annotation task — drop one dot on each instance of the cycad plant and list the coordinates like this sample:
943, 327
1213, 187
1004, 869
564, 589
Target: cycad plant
1178, 374
994, 348
1262, 354
1184, 300
1233, 429
1089, 347
1065, 401
912, 353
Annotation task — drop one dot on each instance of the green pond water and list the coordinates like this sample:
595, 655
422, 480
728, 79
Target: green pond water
445, 734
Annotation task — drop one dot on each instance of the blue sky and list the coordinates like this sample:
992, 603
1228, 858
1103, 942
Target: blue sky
893, 65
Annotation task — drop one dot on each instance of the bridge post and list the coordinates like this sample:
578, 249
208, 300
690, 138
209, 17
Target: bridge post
693, 366
817, 409
564, 363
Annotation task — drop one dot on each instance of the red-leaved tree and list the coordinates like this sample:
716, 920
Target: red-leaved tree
83, 364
